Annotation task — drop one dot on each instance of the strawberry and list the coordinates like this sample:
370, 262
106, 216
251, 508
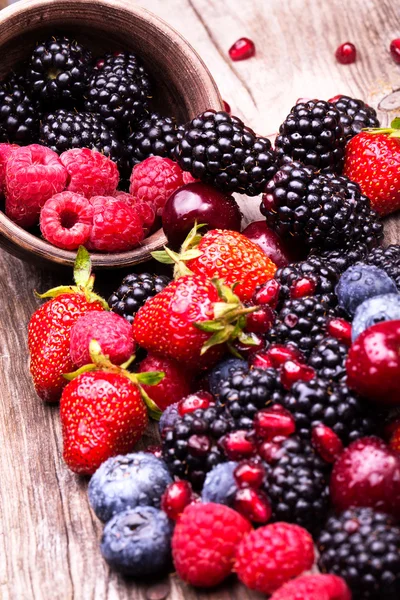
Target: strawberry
50, 326
373, 161
228, 255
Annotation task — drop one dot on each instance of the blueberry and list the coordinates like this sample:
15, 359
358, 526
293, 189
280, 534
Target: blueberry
137, 542
374, 310
222, 371
361, 282
122, 482
220, 485
168, 417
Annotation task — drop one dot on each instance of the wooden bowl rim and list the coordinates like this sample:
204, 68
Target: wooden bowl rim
29, 243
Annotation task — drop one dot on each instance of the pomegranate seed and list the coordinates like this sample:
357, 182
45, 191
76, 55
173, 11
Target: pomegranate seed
268, 293
269, 451
242, 49
281, 354
194, 401
249, 349
395, 50
227, 108
252, 504
261, 320
260, 360
326, 442
341, 330
302, 288
249, 473
198, 445
176, 497
238, 444
346, 53
156, 450
270, 422
293, 371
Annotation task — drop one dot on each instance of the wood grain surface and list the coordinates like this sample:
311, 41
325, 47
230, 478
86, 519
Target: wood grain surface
49, 538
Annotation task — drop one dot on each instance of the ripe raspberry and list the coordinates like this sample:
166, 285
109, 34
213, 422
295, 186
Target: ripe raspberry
116, 225
272, 555
33, 175
205, 541
314, 587
66, 220
174, 386
90, 173
146, 211
154, 180
6, 150
112, 332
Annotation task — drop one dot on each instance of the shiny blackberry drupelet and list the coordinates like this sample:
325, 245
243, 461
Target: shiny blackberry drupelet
245, 392
119, 90
342, 259
331, 403
297, 485
19, 114
363, 547
387, 259
133, 292
219, 149
355, 115
59, 70
313, 134
191, 447
329, 359
153, 136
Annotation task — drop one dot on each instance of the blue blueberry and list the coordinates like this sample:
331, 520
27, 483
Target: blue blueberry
168, 417
220, 485
361, 282
375, 310
222, 371
137, 542
122, 482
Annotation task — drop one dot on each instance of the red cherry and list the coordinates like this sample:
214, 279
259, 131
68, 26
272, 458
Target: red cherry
293, 371
269, 451
249, 349
274, 421
261, 320
281, 252
252, 504
346, 53
227, 108
280, 354
238, 444
268, 293
242, 49
261, 360
302, 287
328, 445
341, 330
192, 402
395, 50
249, 473
176, 497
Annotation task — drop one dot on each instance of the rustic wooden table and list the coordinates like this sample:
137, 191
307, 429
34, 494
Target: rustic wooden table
49, 538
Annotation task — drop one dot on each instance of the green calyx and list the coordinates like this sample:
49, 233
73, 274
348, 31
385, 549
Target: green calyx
188, 251
393, 131
83, 278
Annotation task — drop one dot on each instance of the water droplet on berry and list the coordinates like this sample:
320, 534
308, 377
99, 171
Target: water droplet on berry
242, 49
395, 50
346, 53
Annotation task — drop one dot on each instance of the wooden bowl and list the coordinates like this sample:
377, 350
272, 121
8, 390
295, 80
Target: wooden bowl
185, 87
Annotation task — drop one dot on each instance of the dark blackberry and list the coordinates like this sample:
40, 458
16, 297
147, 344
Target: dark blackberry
19, 115
328, 358
219, 149
341, 260
119, 90
355, 115
246, 391
331, 403
59, 70
133, 292
297, 483
153, 136
191, 447
313, 134
387, 259
301, 323
363, 547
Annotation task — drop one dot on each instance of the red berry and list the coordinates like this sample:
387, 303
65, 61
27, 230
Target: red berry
116, 226
269, 451
267, 294
173, 387
395, 50
280, 354
192, 402
314, 587
176, 498
253, 505
249, 473
145, 211
242, 49
90, 173
6, 150
261, 320
293, 371
346, 53
272, 555
302, 287
66, 220
328, 445
279, 251
238, 444
341, 330
394, 442
227, 108
274, 421
260, 360
247, 350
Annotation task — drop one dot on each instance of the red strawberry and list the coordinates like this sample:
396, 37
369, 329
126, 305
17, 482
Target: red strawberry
373, 161
50, 326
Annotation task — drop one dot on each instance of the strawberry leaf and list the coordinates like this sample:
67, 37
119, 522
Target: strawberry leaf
149, 378
74, 374
163, 257
209, 326
82, 268
395, 124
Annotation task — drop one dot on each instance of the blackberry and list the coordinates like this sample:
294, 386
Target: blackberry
297, 485
387, 259
244, 392
153, 136
342, 259
329, 359
133, 292
19, 115
313, 134
119, 90
59, 70
331, 403
191, 447
219, 149
363, 547
355, 115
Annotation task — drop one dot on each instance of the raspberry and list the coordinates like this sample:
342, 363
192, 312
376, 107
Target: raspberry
205, 541
146, 211
66, 220
112, 332
116, 225
174, 386
90, 173
154, 180
314, 587
6, 150
33, 175
272, 555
